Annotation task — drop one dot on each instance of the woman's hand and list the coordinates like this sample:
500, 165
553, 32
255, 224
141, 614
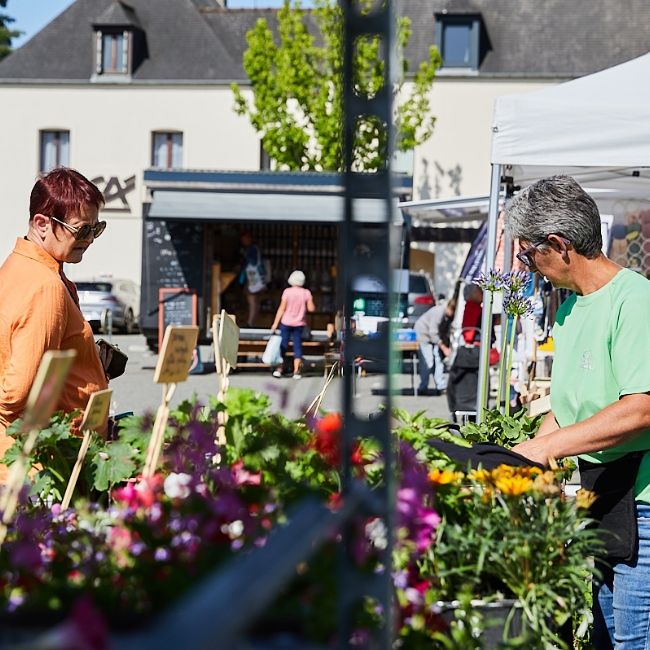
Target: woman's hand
105, 356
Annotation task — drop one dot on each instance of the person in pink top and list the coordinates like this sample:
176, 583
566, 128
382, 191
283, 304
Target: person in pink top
296, 302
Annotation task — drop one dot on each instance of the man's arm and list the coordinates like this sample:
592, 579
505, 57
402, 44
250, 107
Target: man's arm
548, 425
614, 425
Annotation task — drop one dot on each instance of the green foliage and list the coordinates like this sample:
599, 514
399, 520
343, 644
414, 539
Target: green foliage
504, 430
55, 453
297, 91
6, 34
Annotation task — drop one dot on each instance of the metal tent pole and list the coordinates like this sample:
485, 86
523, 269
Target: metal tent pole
486, 317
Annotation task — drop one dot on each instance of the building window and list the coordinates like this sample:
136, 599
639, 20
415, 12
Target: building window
55, 150
168, 150
113, 52
461, 40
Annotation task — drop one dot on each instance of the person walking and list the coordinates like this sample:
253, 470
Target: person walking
600, 392
431, 350
291, 317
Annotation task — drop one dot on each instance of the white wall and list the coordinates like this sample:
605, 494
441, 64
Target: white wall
110, 136
455, 161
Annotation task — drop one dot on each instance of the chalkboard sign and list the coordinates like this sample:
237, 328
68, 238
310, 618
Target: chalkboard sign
172, 258
176, 307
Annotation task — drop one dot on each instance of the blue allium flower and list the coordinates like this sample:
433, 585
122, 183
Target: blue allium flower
517, 281
515, 304
492, 281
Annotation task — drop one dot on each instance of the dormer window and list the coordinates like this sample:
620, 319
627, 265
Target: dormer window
120, 43
462, 40
113, 52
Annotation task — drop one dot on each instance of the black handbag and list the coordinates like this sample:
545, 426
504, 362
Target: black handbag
615, 507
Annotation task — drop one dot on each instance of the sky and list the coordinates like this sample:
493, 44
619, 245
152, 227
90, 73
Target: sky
32, 15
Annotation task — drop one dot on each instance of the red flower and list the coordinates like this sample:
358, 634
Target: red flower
327, 438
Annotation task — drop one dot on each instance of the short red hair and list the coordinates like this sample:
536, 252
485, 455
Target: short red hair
62, 193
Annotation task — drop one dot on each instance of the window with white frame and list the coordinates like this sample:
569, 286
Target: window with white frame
55, 150
113, 52
167, 150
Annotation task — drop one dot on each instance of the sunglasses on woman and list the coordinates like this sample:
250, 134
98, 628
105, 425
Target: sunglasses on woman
524, 257
82, 232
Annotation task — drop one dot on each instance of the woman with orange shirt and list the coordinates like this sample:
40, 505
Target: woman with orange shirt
39, 306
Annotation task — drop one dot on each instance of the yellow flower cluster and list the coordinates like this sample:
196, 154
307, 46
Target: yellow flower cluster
444, 477
511, 481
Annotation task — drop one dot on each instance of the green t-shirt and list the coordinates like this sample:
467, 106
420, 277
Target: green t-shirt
602, 352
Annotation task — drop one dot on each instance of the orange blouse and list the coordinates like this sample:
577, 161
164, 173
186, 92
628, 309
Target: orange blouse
39, 311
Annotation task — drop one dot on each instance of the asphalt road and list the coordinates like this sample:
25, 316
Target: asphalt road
135, 390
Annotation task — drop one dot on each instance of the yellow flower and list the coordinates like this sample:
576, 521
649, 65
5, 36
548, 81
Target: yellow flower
547, 484
443, 478
514, 486
480, 475
585, 499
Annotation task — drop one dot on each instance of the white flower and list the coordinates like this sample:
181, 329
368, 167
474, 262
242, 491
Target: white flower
176, 485
376, 533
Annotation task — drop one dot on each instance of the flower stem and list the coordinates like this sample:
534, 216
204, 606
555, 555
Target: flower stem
509, 365
502, 360
480, 416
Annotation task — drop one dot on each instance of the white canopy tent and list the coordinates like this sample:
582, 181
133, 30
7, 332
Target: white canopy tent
595, 128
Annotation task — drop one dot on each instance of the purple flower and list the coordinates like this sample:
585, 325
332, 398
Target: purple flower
400, 579
517, 281
492, 281
162, 554
515, 304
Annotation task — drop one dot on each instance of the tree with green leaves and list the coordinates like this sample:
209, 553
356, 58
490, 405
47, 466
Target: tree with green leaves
6, 34
296, 82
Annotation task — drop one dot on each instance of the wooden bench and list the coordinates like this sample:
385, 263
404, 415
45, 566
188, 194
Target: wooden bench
324, 349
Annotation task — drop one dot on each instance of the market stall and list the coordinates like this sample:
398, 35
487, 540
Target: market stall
596, 129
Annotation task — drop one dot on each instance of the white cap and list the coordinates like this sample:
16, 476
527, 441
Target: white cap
297, 279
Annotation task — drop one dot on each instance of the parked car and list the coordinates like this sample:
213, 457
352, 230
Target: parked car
420, 297
371, 299
119, 298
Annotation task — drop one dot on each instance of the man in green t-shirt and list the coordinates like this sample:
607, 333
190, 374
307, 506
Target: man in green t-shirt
600, 386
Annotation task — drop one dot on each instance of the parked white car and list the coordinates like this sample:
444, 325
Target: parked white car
118, 300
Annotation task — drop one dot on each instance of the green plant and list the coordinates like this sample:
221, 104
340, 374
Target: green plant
502, 429
510, 533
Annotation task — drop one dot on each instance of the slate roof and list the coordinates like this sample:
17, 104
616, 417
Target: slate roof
197, 41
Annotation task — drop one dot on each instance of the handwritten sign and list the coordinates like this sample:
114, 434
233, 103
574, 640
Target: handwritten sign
176, 354
177, 306
228, 339
47, 387
97, 411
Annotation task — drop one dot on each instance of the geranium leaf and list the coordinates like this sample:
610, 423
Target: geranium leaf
113, 465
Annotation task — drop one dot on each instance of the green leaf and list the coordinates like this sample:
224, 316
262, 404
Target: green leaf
115, 467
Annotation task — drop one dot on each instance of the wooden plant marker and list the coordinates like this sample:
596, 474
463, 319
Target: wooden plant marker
42, 400
225, 334
93, 420
172, 368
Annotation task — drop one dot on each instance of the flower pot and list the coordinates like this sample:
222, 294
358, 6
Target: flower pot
500, 622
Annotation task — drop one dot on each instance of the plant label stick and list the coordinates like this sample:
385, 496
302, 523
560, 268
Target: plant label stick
94, 420
176, 354
173, 367
43, 398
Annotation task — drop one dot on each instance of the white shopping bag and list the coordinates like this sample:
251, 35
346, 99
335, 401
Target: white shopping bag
272, 354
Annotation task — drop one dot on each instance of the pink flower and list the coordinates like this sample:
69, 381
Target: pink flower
243, 476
